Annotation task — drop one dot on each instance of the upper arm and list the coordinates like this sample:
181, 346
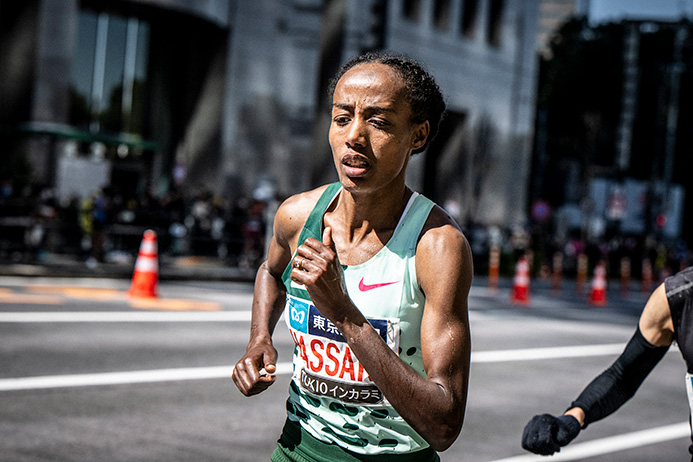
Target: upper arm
656, 323
444, 271
288, 223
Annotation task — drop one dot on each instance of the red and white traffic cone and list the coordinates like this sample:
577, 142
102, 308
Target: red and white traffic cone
520, 292
146, 275
598, 291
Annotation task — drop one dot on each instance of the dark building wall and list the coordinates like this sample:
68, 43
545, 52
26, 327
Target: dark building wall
486, 66
233, 90
18, 38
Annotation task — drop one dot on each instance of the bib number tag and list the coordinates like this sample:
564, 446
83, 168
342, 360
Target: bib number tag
324, 363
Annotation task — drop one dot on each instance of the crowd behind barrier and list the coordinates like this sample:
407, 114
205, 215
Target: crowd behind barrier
623, 256
107, 227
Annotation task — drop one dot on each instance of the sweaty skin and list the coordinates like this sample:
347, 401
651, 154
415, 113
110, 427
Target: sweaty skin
372, 138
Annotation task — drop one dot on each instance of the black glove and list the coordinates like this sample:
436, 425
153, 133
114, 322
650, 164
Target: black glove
545, 434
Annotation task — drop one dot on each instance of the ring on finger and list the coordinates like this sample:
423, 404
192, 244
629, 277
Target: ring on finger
299, 263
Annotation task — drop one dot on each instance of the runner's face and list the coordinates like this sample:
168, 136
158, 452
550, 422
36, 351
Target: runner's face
371, 134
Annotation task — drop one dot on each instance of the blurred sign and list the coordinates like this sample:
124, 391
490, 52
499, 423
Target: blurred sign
616, 205
541, 210
80, 176
628, 202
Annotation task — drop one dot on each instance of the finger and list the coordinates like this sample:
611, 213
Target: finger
268, 364
262, 384
250, 382
311, 253
327, 237
240, 378
271, 369
546, 443
538, 435
298, 261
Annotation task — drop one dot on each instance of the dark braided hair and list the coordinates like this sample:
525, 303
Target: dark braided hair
422, 91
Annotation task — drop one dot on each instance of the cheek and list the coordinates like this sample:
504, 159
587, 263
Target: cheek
395, 155
335, 135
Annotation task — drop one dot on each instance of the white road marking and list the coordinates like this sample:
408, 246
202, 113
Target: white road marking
580, 451
531, 354
201, 373
573, 452
124, 316
120, 378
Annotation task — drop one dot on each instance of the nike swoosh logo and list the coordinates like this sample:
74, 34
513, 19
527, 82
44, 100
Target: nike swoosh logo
366, 287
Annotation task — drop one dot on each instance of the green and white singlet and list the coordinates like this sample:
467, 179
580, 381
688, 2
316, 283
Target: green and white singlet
331, 395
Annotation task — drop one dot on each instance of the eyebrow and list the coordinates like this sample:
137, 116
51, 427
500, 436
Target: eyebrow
370, 108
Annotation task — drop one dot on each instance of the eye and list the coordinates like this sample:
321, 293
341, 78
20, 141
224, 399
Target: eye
341, 120
378, 122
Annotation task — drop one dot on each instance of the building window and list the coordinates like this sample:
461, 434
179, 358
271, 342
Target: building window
469, 13
495, 19
441, 14
412, 9
109, 73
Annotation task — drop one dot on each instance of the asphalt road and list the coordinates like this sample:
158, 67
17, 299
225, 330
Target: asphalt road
87, 374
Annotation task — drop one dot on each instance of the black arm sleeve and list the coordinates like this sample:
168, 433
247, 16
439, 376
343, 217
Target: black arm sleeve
616, 385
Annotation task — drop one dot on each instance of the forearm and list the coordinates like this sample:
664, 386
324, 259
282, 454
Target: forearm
439, 420
616, 385
268, 304
254, 372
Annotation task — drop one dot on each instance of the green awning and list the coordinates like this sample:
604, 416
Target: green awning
68, 132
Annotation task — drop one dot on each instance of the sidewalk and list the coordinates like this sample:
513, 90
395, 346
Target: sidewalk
170, 268
214, 269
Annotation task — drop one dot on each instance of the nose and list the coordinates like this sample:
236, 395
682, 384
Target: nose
356, 133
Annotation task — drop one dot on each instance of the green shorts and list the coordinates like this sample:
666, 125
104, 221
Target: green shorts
297, 445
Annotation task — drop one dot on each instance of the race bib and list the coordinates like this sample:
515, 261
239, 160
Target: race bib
325, 365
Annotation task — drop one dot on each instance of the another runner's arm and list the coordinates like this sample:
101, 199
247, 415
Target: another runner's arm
268, 304
608, 391
545, 434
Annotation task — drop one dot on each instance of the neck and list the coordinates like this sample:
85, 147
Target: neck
362, 214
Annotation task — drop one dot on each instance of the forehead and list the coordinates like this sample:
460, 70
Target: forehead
371, 78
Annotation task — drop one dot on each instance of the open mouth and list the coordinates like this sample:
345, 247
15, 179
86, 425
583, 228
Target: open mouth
355, 165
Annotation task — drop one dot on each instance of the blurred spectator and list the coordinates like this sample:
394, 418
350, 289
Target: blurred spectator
109, 225
254, 235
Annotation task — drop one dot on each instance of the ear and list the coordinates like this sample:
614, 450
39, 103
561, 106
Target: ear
420, 135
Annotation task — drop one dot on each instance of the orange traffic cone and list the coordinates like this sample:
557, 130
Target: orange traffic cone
520, 292
493, 268
625, 276
646, 283
598, 292
581, 278
557, 272
146, 274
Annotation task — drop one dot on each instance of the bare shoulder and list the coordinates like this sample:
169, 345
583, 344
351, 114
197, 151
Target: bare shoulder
443, 245
441, 234
292, 215
656, 323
